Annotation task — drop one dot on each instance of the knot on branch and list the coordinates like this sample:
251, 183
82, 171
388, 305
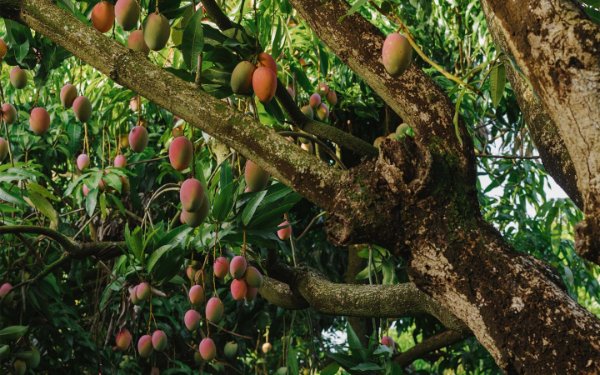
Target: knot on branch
587, 241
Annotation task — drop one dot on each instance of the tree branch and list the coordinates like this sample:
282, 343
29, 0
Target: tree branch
289, 164
429, 345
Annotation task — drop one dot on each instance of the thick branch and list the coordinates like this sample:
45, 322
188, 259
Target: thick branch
429, 345
289, 164
558, 49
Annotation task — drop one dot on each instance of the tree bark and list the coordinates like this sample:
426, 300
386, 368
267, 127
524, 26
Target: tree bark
558, 49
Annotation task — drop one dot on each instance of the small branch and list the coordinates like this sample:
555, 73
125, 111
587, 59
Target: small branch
428, 345
324, 146
510, 157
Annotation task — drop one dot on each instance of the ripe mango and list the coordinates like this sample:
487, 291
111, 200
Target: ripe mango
237, 267
144, 346
196, 295
264, 84
136, 42
18, 77
103, 16
221, 267
39, 121
285, 231
314, 100
191, 194
82, 108
256, 177
159, 340
396, 54
127, 13
83, 161
3, 149
191, 319
253, 277
207, 349
214, 310
266, 60
8, 113
156, 31
138, 138
3, 49
238, 289
120, 161
123, 339
68, 93
181, 152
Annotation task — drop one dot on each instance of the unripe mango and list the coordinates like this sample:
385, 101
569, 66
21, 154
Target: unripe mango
120, 161
230, 349
264, 84
156, 31
138, 138
256, 177
308, 111
9, 113
238, 289
241, 78
214, 310
388, 341
68, 93
3, 49
266, 347
221, 267
123, 140
332, 98
191, 194
144, 346
127, 13
196, 295
5, 289
83, 161
123, 340
251, 293
159, 340
39, 121
82, 108
181, 151
238, 266
18, 77
143, 291
267, 61
253, 277
20, 367
191, 319
285, 232
103, 16
396, 54
136, 42
207, 349
314, 100
3, 149
322, 112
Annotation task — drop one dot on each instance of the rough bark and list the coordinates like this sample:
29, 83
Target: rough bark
558, 49
289, 164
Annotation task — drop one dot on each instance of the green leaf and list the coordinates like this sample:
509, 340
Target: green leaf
12, 333
8, 197
251, 207
353, 9
223, 201
39, 189
330, 369
135, 242
497, 83
45, 207
367, 366
353, 340
193, 40
91, 201
292, 361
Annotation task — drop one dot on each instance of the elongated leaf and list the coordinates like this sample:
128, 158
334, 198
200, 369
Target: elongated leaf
353, 9
12, 333
45, 207
497, 83
193, 40
251, 207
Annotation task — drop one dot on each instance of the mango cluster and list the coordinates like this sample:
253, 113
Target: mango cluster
317, 103
194, 202
259, 78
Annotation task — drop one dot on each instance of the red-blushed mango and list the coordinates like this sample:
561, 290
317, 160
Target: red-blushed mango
9, 113
85, 190
120, 161
396, 54
103, 16
138, 138
322, 112
3, 149
308, 111
143, 291
5, 289
159, 340
207, 349
230, 349
82, 108
266, 347
332, 98
266, 60
238, 289
264, 84
127, 13
323, 89
214, 310
144, 346
136, 42
20, 367
221, 267
314, 101
388, 341
3, 49
190, 272
191, 319
241, 78
196, 295
68, 93
181, 151
256, 177
251, 293
123, 339
237, 267
134, 103
39, 121
156, 31
195, 218
191, 194
253, 277
101, 185
83, 161
18, 77
285, 231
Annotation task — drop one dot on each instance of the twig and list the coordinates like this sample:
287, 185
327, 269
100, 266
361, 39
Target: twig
428, 345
